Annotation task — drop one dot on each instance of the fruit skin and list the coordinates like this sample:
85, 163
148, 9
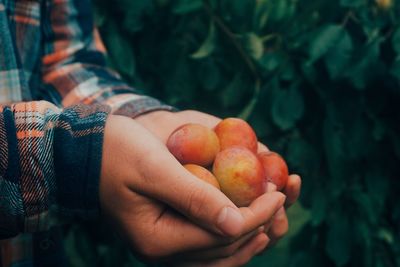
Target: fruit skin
240, 175
275, 168
203, 174
236, 132
194, 143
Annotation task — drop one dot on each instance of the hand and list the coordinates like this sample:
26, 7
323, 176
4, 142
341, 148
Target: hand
164, 212
163, 123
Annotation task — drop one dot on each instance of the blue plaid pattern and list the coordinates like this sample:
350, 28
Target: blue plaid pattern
49, 51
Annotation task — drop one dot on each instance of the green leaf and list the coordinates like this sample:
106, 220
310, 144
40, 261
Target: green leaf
353, 3
319, 207
379, 130
395, 70
262, 10
232, 95
337, 58
208, 46
366, 66
358, 135
279, 10
209, 74
386, 235
241, 11
254, 45
270, 61
396, 41
287, 108
325, 39
134, 17
301, 155
309, 72
288, 73
377, 183
120, 50
186, 6
367, 207
338, 242
335, 153
396, 145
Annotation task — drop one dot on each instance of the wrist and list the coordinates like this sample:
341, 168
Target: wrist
160, 123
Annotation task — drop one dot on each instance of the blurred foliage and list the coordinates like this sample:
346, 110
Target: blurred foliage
318, 80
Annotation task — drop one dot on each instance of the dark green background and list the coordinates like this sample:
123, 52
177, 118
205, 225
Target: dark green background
320, 83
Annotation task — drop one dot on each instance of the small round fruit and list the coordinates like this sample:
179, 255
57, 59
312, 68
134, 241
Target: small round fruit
275, 168
203, 174
240, 175
194, 143
236, 132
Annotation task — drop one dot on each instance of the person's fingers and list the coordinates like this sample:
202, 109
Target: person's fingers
262, 209
194, 116
190, 237
279, 226
199, 201
271, 187
262, 148
247, 252
242, 256
221, 251
292, 189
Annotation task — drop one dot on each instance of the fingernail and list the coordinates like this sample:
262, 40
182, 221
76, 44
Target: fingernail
280, 214
281, 201
230, 221
271, 187
260, 229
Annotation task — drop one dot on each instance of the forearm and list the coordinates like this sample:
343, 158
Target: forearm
74, 68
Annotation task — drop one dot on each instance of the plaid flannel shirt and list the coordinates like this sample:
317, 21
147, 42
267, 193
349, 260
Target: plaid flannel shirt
50, 150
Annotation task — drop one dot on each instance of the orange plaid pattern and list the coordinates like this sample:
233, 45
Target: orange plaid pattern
49, 51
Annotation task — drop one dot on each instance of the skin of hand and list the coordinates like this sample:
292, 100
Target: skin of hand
163, 123
165, 213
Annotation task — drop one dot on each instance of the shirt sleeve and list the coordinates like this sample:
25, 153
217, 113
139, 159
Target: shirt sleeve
73, 64
50, 161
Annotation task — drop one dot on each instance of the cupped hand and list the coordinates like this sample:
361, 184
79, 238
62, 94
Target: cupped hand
164, 212
163, 123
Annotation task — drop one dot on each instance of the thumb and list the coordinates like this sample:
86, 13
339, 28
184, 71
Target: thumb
201, 202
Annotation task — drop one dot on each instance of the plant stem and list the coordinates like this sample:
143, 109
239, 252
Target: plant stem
248, 109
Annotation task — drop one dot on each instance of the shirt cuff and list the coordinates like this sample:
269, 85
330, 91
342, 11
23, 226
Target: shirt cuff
77, 160
142, 105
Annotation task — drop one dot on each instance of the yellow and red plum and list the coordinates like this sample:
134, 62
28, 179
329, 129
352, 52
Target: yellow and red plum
240, 175
275, 168
236, 132
203, 174
194, 143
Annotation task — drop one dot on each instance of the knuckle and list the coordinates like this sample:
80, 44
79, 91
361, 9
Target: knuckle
196, 200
